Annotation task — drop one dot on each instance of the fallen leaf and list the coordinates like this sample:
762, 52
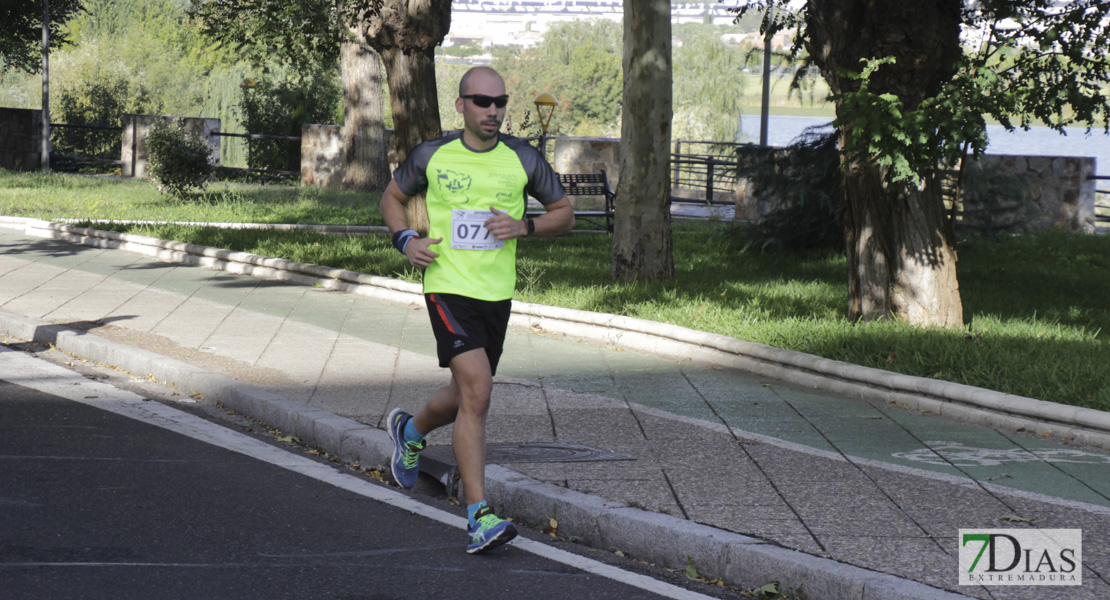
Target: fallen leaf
552, 527
691, 570
770, 589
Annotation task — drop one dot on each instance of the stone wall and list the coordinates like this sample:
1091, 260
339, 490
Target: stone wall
20, 139
322, 160
1031, 194
1002, 193
136, 128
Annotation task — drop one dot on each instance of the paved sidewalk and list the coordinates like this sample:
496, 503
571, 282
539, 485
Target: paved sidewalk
862, 483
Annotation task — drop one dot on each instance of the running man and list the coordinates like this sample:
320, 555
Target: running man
476, 183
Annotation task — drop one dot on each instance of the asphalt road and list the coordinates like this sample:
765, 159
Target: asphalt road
98, 502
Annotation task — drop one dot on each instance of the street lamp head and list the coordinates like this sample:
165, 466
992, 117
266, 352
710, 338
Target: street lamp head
545, 100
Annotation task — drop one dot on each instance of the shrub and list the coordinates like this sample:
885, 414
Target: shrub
179, 162
802, 184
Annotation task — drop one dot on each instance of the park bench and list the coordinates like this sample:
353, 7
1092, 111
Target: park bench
589, 184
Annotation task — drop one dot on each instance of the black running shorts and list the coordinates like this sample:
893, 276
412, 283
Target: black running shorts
462, 324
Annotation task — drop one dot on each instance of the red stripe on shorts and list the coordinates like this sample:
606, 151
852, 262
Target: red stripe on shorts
447, 321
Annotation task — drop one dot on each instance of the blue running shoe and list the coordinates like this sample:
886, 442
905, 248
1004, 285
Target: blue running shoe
406, 455
489, 531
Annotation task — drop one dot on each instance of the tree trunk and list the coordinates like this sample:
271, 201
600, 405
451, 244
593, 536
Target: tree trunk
642, 247
405, 33
899, 242
901, 256
364, 143
413, 98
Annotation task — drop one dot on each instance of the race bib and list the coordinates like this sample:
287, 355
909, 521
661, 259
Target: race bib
468, 231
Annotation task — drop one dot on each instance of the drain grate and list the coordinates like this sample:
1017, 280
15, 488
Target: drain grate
439, 461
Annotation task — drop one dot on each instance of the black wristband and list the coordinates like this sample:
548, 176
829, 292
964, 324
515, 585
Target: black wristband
401, 239
531, 226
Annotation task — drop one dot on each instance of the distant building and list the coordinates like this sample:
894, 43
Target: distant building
523, 22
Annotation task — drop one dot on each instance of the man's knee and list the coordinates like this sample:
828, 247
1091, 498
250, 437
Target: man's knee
473, 380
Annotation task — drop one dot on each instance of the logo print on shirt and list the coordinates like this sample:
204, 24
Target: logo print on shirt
454, 185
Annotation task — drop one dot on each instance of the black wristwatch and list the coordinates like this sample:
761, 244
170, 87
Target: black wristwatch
531, 226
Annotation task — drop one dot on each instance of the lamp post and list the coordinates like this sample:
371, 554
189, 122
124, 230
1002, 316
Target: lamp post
545, 100
45, 149
765, 107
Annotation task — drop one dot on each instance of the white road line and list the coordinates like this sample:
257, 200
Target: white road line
21, 369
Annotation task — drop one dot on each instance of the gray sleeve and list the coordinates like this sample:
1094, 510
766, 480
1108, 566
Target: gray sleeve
412, 175
543, 183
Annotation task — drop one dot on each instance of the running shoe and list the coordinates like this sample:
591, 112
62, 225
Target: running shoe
489, 531
406, 455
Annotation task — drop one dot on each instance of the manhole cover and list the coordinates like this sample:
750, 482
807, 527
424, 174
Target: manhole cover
542, 452
439, 461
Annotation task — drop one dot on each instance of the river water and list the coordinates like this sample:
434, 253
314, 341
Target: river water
1038, 141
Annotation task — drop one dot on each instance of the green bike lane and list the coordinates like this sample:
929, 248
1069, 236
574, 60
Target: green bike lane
832, 424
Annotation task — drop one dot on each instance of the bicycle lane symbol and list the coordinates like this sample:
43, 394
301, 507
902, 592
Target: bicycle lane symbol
942, 453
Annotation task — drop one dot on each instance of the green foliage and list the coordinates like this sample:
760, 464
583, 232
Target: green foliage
1052, 67
708, 87
21, 31
303, 33
879, 127
280, 104
179, 162
97, 99
580, 64
146, 43
461, 50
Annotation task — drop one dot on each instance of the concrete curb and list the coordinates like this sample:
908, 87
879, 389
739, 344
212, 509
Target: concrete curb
737, 559
963, 402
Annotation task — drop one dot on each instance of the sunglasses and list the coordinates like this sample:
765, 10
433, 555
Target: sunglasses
483, 101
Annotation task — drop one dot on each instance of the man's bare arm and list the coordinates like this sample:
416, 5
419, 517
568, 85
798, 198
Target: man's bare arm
418, 250
558, 219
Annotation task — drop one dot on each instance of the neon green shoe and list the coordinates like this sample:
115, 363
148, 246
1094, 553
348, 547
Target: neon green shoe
489, 531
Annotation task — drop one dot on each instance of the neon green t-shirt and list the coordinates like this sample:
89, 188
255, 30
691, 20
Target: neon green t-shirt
461, 185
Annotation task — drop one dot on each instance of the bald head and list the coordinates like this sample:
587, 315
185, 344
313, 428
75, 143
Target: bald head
477, 72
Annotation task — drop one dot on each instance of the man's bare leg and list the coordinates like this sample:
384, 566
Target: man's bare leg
464, 402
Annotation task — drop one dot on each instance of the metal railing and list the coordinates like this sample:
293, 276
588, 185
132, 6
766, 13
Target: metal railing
1102, 204
257, 136
705, 177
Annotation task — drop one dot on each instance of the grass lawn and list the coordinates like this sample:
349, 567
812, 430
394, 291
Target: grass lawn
62, 196
1038, 319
